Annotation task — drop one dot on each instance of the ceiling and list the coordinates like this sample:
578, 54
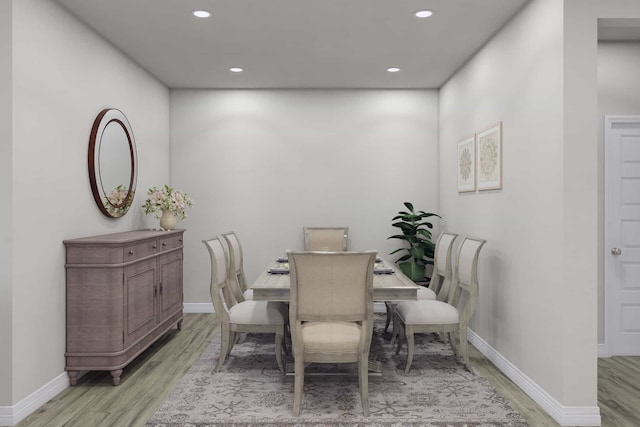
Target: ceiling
297, 43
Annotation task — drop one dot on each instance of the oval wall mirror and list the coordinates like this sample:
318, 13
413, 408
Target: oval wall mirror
112, 163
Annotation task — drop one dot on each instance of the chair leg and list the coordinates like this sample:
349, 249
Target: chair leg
408, 331
232, 340
363, 374
464, 348
387, 305
394, 332
224, 344
399, 333
279, 336
453, 336
285, 347
298, 385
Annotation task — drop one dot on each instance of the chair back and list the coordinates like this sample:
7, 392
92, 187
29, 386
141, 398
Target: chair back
467, 277
237, 279
332, 239
442, 270
221, 294
331, 286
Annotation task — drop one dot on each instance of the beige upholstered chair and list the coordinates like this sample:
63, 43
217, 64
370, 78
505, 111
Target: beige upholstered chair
452, 317
440, 277
332, 239
331, 313
236, 268
442, 269
246, 316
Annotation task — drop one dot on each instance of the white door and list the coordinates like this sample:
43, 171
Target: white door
622, 235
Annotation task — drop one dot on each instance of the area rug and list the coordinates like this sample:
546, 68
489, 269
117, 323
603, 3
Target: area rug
250, 391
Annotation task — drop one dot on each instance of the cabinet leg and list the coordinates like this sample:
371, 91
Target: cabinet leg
73, 377
116, 376
179, 325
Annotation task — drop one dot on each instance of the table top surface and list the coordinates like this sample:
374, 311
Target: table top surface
386, 287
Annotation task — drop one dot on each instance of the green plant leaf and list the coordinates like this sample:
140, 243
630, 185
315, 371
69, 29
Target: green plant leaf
428, 214
417, 252
398, 236
398, 250
425, 233
409, 206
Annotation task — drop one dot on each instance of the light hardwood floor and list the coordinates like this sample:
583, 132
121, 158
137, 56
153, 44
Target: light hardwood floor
145, 383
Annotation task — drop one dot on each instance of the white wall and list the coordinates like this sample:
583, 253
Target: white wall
618, 83
63, 76
516, 79
618, 93
266, 163
541, 267
5, 201
581, 134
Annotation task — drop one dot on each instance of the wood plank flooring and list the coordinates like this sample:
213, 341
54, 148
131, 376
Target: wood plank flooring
619, 391
145, 383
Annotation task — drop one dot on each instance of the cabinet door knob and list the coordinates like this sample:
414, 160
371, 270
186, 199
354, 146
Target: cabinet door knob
164, 243
616, 251
130, 252
155, 246
180, 240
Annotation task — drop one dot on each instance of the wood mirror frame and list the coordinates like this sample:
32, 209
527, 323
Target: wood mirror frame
112, 163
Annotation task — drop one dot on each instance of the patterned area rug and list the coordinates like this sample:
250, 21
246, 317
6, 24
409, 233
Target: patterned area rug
250, 391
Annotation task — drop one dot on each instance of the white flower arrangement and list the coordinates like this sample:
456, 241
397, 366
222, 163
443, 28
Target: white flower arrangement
166, 199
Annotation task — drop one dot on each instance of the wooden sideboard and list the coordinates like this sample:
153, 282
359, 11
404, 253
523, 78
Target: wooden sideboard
124, 291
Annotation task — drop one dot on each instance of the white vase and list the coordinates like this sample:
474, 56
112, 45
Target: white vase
168, 220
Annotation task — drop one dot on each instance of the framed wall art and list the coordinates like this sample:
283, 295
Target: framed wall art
489, 158
467, 165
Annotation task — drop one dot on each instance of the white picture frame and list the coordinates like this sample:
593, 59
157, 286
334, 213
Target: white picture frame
467, 165
489, 158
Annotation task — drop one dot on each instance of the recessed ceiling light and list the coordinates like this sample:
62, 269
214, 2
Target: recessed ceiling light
201, 13
423, 13
236, 69
393, 69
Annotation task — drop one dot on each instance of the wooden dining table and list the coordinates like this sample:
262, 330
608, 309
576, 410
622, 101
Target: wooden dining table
394, 286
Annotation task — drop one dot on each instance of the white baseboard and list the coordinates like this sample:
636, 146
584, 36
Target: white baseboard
564, 415
603, 351
6, 416
12, 415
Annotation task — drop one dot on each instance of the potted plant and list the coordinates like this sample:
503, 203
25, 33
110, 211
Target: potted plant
415, 231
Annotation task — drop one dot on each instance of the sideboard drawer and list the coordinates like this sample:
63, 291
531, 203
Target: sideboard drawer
168, 243
140, 250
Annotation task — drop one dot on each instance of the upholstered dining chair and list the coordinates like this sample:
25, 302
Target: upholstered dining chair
441, 276
332, 239
451, 317
246, 316
236, 268
331, 313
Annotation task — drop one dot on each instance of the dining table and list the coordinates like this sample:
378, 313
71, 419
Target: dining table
389, 283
